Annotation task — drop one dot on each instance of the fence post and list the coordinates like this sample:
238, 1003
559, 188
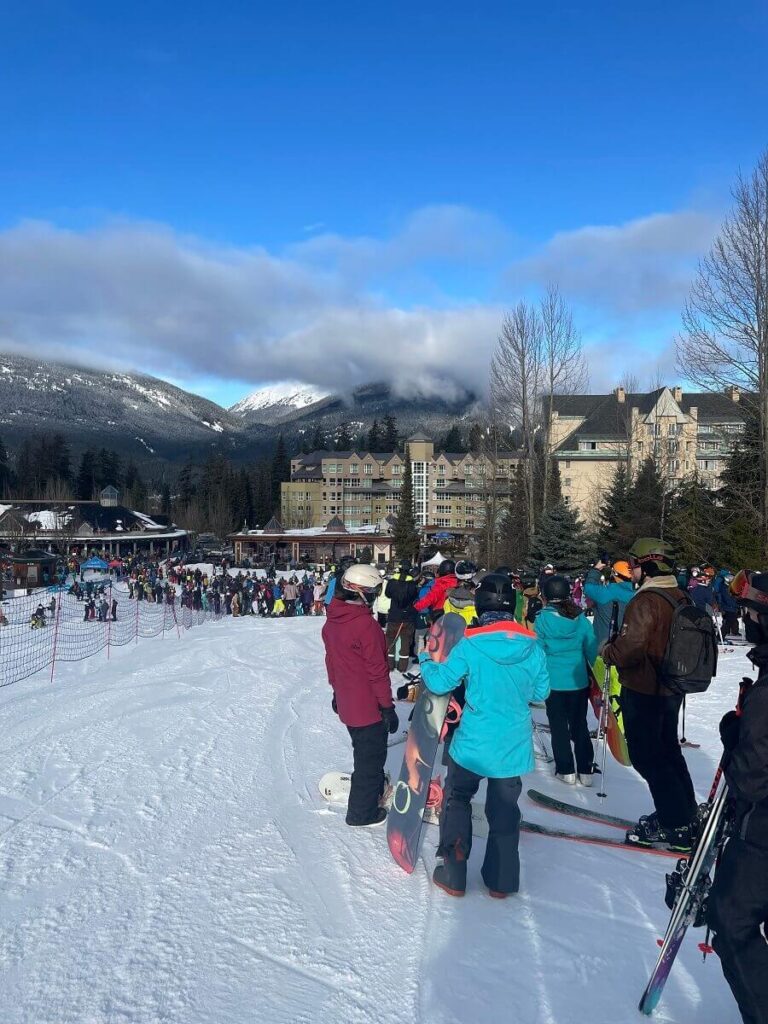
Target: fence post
56, 633
136, 623
109, 618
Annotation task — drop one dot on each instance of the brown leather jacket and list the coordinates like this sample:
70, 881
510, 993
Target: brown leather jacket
639, 649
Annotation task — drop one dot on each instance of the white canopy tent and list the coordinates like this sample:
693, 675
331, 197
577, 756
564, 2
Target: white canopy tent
435, 560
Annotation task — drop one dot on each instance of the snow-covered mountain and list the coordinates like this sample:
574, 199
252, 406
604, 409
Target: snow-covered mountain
133, 413
277, 401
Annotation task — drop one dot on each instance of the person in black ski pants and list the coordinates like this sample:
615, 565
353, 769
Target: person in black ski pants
737, 909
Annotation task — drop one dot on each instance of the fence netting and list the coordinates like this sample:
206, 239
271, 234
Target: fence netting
70, 629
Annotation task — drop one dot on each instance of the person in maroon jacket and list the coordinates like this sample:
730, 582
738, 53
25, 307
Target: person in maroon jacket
356, 660
434, 600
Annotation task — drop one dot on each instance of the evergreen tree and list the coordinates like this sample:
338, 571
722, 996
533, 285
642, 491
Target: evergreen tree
554, 484
389, 440
476, 438
647, 502
406, 534
614, 515
262, 494
165, 499
6, 474
343, 438
561, 539
318, 442
281, 473
739, 501
692, 523
60, 459
185, 485
374, 437
514, 542
452, 441
85, 484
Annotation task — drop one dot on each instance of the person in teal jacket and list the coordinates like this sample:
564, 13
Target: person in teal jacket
502, 668
569, 644
603, 596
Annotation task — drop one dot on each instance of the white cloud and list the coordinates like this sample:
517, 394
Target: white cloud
642, 265
145, 297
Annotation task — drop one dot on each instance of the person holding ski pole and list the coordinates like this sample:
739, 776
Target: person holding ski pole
356, 660
737, 909
503, 668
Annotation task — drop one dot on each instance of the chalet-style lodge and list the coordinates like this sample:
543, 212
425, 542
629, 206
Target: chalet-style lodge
80, 527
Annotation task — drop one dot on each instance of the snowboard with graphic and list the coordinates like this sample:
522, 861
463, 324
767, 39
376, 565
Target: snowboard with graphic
409, 798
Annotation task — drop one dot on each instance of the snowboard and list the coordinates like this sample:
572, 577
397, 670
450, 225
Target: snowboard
335, 786
409, 797
617, 743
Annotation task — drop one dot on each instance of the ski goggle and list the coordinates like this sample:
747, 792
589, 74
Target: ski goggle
742, 589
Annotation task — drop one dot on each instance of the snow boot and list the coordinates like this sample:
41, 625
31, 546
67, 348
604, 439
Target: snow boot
442, 881
569, 779
584, 780
496, 895
381, 817
680, 839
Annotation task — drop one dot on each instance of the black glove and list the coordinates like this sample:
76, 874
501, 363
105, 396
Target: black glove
730, 724
390, 719
333, 705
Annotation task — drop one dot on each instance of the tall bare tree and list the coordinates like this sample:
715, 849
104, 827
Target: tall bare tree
725, 337
518, 375
565, 369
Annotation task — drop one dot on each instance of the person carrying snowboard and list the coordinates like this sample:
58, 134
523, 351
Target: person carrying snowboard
356, 661
737, 908
503, 668
650, 711
569, 644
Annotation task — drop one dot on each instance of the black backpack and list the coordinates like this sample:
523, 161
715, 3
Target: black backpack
690, 659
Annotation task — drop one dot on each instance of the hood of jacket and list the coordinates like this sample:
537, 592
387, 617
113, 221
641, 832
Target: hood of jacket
557, 625
506, 643
345, 612
461, 597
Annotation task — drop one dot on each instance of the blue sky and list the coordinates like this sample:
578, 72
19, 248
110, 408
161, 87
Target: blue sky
231, 193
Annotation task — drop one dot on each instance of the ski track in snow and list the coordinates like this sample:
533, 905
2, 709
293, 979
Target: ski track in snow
166, 858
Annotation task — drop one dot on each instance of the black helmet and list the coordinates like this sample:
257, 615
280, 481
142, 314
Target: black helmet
447, 567
404, 565
495, 594
555, 588
465, 570
503, 570
344, 564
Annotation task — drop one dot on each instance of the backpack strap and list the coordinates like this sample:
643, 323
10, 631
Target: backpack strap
668, 597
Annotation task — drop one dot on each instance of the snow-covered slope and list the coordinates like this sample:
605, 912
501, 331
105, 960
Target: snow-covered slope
132, 412
166, 857
275, 402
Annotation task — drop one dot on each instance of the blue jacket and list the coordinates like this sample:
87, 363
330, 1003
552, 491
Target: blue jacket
568, 645
726, 602
702, 595
503, 668
602, 595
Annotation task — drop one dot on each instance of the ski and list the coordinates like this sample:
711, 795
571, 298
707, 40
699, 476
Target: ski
551, 803
687, 889
480, 829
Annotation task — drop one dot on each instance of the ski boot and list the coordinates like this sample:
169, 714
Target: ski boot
442, 880
647, 832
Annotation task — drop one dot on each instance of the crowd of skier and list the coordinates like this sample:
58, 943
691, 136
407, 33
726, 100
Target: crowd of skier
529, 641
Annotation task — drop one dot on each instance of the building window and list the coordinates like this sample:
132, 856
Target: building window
441, 469
354, 468
708, 465
567, 463
439, 483
397, 470
368, 469
567, 482
587, 446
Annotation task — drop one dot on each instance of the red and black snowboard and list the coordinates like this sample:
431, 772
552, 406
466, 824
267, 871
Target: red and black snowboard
409, 797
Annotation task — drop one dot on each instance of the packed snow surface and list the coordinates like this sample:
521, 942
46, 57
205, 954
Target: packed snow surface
165, 857
289, 393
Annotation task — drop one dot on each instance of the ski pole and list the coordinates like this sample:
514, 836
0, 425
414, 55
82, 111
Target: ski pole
683, 739
613, 630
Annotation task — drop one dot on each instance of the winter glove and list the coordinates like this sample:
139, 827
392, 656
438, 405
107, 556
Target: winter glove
730, 724
390, 719
333, 705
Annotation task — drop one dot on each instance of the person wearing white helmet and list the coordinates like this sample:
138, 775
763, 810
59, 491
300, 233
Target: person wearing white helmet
356, 661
